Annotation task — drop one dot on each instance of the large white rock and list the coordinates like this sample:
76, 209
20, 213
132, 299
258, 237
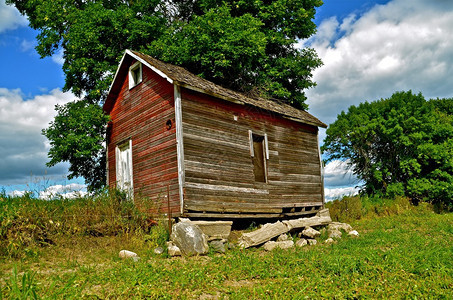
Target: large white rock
271, 245
282, 238
127, 254
172, 249
310, 232
312, 242
329, 241
301, 243
335, 234
189, 239
353, 233
339, 226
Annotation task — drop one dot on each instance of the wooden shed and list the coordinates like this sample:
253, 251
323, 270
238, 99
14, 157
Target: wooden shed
222, 154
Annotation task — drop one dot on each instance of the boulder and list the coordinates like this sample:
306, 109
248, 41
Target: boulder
127, 254
189, 239
353, 233
335, 234
329, 241
310, 233
217, 246
271, 245
282, 238
312, 241
159, 250
340, 226
301, 243
172, 249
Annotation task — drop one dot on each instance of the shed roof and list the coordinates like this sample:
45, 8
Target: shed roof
180, 76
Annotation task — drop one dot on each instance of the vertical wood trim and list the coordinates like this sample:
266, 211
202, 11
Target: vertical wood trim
252, 153
266, 145
107, 165
179, 145
321, 169
131, 170
117, 164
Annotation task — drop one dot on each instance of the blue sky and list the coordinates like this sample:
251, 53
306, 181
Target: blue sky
370, 49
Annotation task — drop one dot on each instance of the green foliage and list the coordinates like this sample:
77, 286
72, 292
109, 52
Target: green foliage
77, 135
28, 224
398, 146
349, 209
244, 45
22, 287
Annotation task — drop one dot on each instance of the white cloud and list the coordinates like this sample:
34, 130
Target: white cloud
10, 18
405, 44
58, 57
17, 193
337, 174
337, 193
68, 191
23, 149
27, 45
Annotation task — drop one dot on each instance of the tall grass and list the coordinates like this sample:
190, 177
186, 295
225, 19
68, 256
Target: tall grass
351, 208
402, 252
28, 223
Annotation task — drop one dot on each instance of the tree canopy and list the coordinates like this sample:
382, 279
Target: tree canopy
249, 46
402, 145
245, 45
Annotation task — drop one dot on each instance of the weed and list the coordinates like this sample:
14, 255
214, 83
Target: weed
22, 287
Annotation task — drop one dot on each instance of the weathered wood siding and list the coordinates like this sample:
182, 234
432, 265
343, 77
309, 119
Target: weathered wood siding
218, 165
140, 114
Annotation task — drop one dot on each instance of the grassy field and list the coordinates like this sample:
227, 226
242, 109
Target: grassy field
405, 254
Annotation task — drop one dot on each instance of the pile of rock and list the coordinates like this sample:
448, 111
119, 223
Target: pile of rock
275, 235
190, 238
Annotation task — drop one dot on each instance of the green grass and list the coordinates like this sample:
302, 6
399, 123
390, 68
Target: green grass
403, 255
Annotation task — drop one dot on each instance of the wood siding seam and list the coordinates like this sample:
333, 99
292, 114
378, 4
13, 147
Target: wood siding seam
179, 144
226, 188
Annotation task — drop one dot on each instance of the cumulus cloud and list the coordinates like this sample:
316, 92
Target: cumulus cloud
68, 191
10, 18
58, 57
23, 150
338, 193
337, 174
402, 45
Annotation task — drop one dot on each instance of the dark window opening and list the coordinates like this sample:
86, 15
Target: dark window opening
259, 159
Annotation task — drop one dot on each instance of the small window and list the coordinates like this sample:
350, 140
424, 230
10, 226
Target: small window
135, 74
259, 152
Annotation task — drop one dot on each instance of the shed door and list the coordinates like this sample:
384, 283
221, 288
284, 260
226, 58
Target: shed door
124, 168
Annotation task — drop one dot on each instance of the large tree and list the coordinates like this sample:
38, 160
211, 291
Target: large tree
249, 46
402, 145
